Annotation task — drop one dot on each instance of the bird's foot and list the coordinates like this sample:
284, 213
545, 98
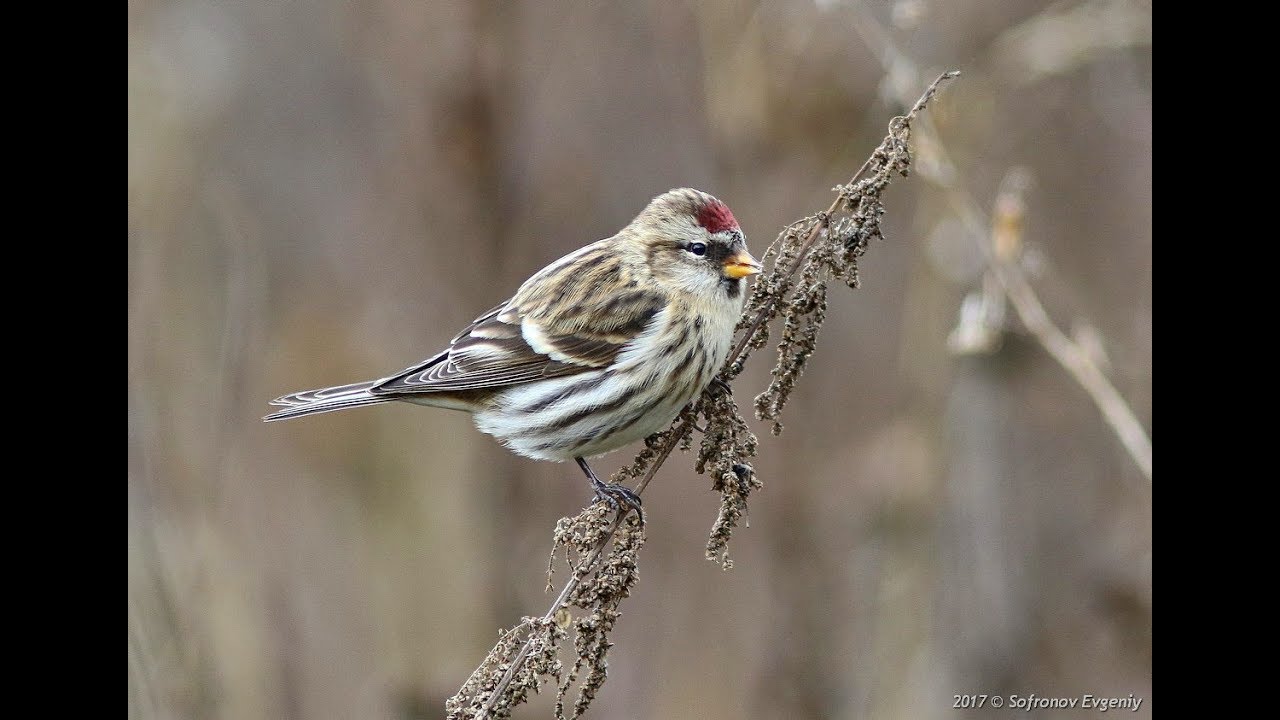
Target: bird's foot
617, 495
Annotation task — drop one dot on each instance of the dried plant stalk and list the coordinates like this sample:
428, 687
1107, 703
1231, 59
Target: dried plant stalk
805, 257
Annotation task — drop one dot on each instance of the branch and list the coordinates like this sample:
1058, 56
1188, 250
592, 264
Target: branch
1076, 360
828, 248
1079, 364
999, 254
1006, 240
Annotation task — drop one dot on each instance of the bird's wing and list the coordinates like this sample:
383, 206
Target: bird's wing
559, 323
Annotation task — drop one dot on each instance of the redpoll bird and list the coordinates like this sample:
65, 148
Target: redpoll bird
598, 349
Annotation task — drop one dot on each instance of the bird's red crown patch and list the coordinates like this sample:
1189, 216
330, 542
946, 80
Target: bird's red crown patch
716, 217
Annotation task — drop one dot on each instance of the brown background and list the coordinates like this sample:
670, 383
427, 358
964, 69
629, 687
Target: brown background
325, 192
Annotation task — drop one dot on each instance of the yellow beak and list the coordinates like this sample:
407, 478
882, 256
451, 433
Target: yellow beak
740, 265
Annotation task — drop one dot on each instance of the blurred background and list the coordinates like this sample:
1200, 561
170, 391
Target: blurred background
326, 192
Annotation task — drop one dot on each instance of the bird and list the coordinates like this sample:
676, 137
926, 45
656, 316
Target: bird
600, 348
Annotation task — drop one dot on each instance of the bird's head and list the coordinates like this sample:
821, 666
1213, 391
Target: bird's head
692, 243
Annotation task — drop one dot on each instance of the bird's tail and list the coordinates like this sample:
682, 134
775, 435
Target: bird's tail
311, 402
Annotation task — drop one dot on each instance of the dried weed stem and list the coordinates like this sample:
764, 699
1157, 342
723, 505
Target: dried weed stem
801, 261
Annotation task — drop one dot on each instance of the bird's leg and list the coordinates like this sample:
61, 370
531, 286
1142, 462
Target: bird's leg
720, 386
612, 493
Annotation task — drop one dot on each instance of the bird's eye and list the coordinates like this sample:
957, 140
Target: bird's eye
697, 248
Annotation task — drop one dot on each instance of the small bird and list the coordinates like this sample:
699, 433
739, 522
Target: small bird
599, 349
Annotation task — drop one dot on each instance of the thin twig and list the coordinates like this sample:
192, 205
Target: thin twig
824, 220
1078, 363
1072, 357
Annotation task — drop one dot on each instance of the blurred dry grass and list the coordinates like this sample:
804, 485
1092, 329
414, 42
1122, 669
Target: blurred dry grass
326, 192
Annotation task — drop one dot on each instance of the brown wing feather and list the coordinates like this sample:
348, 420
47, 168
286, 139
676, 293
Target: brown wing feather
587, 334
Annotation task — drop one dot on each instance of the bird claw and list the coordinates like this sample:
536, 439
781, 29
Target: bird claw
617, 495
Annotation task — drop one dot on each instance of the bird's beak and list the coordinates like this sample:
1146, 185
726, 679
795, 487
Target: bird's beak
741, 264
